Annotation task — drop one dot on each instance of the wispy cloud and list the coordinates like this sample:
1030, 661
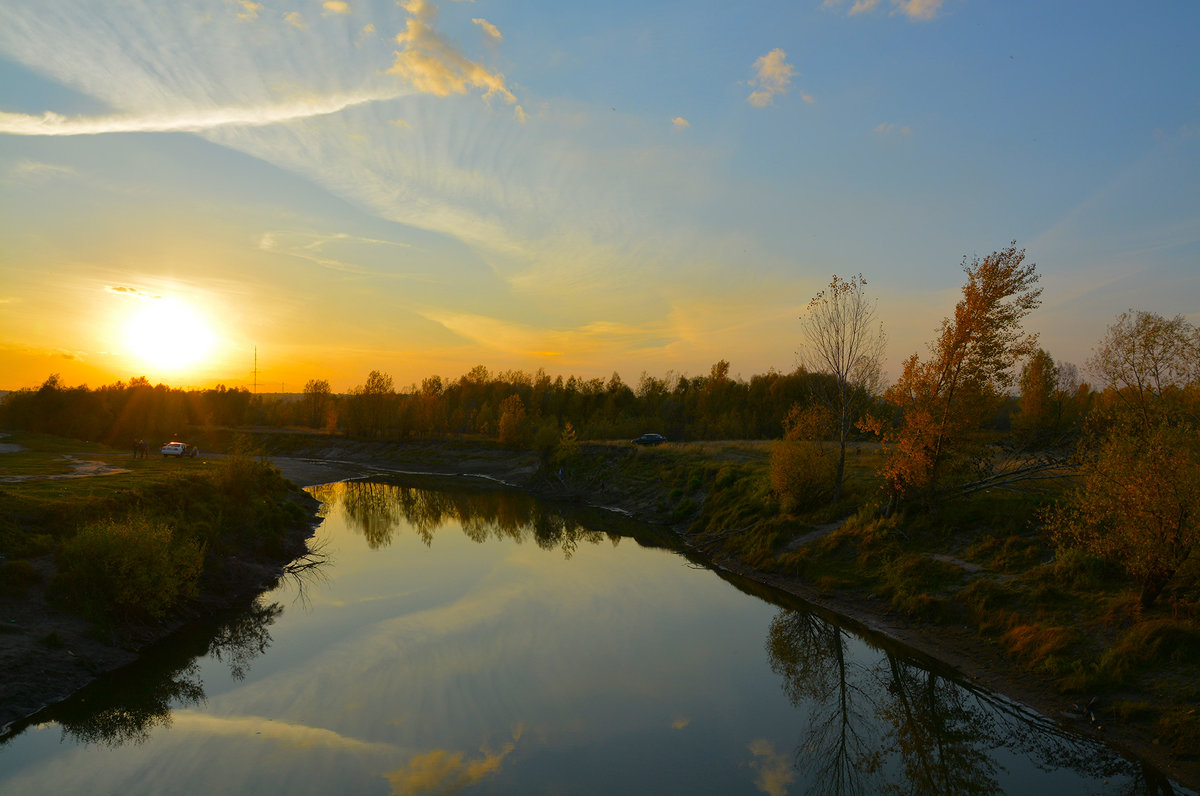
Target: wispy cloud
37, 171
890, 128
314, 248
489, 29
296, 20
772, 75
434, 66
50, 123
913, 9
680, 123
522, 340
133, 292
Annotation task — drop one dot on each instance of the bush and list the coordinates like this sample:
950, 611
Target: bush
130, 569
802, 474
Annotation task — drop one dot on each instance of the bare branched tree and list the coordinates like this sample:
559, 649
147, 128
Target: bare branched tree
845, 340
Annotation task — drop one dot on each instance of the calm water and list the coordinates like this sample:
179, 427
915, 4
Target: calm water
478, 642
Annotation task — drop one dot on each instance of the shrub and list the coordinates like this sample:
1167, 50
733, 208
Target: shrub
130, 569
802, 474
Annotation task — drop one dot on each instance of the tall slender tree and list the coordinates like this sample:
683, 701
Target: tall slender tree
844, 339
945, 400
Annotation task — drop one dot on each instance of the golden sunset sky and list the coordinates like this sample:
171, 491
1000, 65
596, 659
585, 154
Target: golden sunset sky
421, 187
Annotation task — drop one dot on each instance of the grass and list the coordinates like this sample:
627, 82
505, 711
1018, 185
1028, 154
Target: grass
130, 546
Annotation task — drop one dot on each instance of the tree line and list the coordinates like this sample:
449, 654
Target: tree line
511, 406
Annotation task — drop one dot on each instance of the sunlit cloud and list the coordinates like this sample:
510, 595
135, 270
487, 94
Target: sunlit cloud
195, 120
296, 20
774, 770
336, 7
367, 32
249, 10
434, 66
680, 123
400, 124
919, 9
135, 292
520, 115
913, 9
772, 75
444, 772
489, 29
680, 723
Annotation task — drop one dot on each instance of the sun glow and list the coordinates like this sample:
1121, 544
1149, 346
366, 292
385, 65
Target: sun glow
169, 335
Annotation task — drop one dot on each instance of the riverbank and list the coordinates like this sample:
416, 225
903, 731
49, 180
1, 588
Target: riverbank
47, 653
959, 646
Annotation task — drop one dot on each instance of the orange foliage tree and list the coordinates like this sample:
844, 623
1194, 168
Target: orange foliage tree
1137, 501
943, 402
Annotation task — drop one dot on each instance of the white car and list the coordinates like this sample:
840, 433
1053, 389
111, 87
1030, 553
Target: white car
179, 449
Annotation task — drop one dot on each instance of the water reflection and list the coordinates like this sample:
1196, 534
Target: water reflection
129, 705
438, 668
379, 510
871, 713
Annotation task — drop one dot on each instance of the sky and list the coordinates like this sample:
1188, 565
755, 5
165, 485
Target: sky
264, 193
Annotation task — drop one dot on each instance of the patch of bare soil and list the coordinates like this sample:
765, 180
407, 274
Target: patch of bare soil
80, 468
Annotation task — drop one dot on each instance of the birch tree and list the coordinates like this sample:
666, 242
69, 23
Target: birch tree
845, 340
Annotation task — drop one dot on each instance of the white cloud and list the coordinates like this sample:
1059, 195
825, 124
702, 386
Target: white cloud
194, 120
680, 123
489, 29
772, 75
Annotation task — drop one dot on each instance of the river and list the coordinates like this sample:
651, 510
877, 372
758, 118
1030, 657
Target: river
477, 641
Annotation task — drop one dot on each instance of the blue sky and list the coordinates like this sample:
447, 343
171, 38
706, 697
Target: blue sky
586, 188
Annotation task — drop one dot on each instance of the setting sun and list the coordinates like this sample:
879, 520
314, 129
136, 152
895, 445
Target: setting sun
168, 334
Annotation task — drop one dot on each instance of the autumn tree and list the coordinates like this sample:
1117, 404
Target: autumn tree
803, 470
370, 405
845, 340
944, 401
514, 421
316, 398
1137, 501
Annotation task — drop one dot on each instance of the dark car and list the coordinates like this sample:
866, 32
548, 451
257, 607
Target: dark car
650, 439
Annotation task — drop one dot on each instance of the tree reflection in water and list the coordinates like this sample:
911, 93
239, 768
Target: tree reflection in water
378, 510
869, 713
125, 707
